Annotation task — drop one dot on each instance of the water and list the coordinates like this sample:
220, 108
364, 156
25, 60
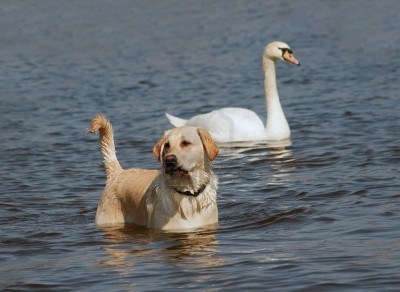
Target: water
321, 212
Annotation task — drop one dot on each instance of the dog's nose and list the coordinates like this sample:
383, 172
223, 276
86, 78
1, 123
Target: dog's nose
170, 160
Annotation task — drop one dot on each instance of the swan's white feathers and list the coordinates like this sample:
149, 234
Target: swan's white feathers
175, 121
230, 124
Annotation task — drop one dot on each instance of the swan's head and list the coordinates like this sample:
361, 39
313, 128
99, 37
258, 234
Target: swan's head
276, 51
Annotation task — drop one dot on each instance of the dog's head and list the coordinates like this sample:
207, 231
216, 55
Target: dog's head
182, 150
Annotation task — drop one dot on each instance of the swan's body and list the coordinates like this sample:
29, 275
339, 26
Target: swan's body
239, 124
227, 124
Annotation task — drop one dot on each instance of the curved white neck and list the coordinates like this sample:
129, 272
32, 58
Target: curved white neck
277, 128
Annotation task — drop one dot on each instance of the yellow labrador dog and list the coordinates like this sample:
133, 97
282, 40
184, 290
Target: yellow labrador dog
182, 195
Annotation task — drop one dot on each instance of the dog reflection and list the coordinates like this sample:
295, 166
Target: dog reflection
129, 244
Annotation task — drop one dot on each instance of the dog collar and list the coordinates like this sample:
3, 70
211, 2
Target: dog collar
190, 194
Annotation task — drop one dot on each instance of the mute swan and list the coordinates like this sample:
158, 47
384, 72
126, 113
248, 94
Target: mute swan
239, 124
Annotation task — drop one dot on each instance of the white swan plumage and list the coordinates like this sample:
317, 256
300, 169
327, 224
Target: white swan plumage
239, 124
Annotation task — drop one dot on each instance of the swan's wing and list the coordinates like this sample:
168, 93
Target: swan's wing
230, 124
175, 121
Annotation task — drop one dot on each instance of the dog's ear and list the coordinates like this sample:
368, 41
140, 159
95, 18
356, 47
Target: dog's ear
209, 145
158, 147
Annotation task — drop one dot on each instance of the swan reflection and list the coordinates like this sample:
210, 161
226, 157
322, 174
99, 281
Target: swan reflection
277, 155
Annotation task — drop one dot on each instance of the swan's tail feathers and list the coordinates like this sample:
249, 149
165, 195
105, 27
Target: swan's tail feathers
177, 122
103, 125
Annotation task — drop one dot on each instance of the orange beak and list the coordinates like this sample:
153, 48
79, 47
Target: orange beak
290, 58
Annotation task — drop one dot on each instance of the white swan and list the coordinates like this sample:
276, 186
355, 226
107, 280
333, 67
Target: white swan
239, 124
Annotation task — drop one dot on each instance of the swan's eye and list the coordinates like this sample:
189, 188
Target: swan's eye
185, 143
286, 50
166, 145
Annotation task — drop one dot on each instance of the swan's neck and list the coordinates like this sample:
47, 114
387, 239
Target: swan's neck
277, 128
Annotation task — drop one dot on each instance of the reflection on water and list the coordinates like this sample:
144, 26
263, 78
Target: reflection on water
119, 250
283, 164
197, 249
276, 154
237, 148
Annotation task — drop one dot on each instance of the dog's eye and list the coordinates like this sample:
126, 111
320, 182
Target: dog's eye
166, 145
185, 143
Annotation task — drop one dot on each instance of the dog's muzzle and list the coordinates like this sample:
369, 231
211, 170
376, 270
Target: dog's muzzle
170, 164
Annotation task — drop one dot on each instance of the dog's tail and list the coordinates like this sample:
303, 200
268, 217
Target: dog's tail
103, 125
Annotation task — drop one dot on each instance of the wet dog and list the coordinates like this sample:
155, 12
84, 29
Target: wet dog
182, 195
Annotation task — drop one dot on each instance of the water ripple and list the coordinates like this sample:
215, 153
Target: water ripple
319, 211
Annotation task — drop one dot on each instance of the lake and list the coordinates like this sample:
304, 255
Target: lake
320, 212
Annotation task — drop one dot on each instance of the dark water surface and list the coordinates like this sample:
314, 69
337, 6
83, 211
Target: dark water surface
321, 212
